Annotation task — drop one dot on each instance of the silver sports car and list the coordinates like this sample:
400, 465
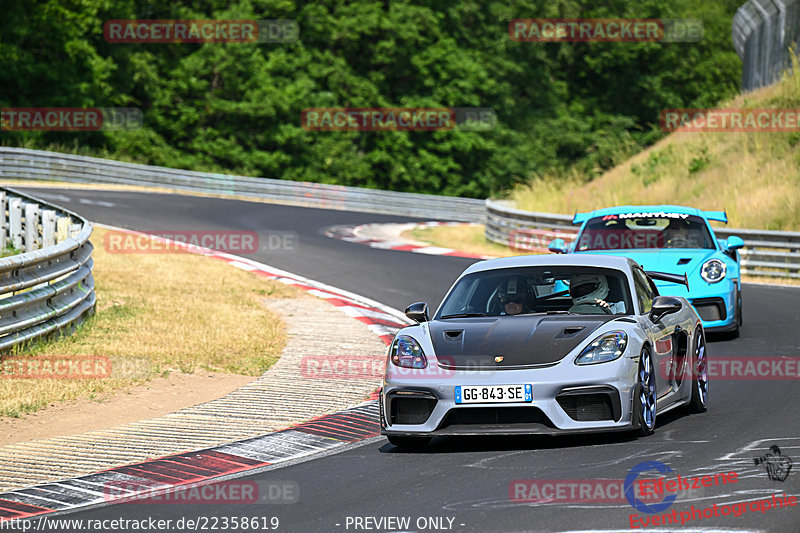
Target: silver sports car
544, 345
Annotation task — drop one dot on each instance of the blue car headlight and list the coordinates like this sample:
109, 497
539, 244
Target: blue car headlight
603, 349
406, 352
713, 270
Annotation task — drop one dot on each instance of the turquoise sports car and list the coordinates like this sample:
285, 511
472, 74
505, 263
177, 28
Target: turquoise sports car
675, 240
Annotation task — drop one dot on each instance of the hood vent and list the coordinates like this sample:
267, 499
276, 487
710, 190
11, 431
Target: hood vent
684, 260
570, 331
454, 335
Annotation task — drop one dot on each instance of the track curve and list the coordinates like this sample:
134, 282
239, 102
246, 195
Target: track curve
468, 480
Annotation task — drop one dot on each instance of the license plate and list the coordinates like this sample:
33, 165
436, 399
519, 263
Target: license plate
494, 393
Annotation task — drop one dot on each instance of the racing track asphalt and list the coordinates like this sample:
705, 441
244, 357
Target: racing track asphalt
468, 479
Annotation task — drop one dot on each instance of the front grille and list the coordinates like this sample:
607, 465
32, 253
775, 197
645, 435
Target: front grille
587, 407
470, 416
710, 309
411, 410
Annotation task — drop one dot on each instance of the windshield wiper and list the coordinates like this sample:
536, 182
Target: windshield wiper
560, 312
464, 315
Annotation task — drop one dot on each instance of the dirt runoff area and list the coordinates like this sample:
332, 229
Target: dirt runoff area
157, 397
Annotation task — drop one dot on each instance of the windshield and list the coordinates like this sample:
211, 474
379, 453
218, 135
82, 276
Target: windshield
524, 290
626, 232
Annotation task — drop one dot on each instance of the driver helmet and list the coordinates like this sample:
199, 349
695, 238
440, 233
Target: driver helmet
514, 289
584, 288
677, 225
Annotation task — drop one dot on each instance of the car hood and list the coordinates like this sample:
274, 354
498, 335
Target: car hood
673, 261
522, 340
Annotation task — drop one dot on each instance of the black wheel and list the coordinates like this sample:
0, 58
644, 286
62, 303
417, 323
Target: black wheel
738, 317
739, 308
644, 400
412, 443
699, 401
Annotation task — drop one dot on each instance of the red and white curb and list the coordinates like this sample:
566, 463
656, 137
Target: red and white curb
372, 235
379, 318
309, 438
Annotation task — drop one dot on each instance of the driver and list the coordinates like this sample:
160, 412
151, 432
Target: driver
588, 293
514, 294
677, 235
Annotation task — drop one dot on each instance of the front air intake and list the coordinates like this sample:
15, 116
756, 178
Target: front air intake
591, 404
410, 410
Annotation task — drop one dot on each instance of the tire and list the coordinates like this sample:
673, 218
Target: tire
644, 398
699, 400
737, 319
410, 443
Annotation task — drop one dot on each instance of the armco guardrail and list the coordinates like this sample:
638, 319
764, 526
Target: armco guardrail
766, 253
763, 32
49, 286
42, 165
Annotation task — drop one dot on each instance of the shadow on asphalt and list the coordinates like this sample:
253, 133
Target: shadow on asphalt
499, 443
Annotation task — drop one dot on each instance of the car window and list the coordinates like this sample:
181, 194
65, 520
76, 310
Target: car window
630, 232
644, 293
523, 290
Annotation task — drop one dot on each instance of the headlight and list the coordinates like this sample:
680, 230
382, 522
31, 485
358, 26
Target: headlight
713, 270
603, 349
407, 352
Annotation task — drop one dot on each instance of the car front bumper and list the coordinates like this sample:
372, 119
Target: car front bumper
566, 399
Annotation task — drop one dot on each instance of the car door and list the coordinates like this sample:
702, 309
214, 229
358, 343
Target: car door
660, 332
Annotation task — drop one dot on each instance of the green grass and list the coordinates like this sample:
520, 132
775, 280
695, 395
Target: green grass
9, 250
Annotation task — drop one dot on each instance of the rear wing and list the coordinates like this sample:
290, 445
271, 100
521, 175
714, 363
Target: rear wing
580, 218
719, 216
672, 278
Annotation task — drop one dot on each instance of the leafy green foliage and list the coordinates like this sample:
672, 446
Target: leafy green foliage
236, 107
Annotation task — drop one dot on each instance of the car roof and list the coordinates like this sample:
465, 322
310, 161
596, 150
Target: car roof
666, 208
600, 261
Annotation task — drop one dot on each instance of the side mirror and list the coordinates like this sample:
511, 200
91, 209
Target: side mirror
664, 305
557, 246
418, 312
734, 243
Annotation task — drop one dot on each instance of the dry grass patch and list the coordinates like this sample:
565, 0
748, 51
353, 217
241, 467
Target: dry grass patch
159, 313
754, 176
466, 238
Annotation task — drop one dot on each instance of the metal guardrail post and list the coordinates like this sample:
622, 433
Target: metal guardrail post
31, 227
50, 286
15, 222
48, 228
3, 221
